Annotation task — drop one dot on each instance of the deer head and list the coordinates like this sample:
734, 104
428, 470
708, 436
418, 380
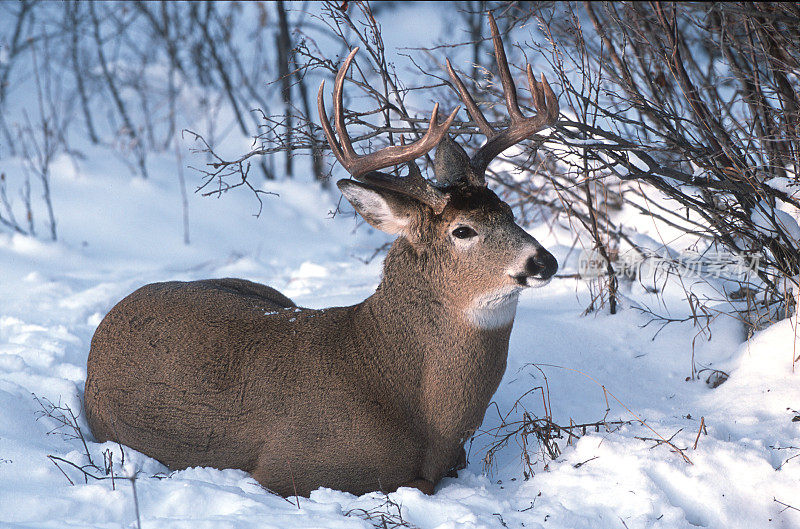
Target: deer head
478, 257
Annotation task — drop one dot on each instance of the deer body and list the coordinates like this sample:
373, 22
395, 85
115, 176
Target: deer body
291, 394
231, 374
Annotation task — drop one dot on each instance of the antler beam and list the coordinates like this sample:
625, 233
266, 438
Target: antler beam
544, 99
363, 167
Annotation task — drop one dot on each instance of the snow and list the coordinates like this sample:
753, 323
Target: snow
783, 220
54, 295
638, 162
117, 233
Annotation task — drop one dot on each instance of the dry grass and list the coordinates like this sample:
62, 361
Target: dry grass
387, 515
66, 425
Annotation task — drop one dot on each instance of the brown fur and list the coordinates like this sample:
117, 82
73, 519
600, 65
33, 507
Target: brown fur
230, 374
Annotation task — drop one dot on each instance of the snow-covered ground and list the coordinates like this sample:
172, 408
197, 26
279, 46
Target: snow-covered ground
117, 233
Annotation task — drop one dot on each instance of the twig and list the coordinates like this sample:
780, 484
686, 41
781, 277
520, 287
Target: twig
53, 460
699, 431
661, 439
136, 501
786, 506
291, 474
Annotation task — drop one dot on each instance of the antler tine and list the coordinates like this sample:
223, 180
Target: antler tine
509, 89
544, 100
362, 167
344, 152
474, 112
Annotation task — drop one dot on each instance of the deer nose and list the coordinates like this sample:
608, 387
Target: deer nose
541, 265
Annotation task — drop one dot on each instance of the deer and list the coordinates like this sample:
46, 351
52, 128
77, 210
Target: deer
228, 373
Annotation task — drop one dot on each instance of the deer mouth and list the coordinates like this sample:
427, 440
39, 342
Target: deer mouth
526, 281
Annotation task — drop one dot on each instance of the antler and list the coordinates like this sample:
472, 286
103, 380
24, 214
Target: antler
365, 167
521, 127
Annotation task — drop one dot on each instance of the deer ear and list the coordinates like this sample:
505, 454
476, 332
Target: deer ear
386, 210
451, 163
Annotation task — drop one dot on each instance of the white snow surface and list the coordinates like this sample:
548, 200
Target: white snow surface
119, 233
783, 220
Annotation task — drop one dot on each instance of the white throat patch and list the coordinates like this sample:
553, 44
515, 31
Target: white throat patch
494, 310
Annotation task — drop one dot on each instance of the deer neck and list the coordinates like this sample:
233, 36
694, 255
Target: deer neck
414, 330
427, 360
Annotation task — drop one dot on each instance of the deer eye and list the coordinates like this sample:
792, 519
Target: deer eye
464, 232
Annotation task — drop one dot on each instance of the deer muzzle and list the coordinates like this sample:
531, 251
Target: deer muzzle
539, 267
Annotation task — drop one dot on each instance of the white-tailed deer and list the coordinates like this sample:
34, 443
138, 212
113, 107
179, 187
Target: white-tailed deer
231, 374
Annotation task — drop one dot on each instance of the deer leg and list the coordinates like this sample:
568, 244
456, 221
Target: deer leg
423, 485
459, 464
441, 460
